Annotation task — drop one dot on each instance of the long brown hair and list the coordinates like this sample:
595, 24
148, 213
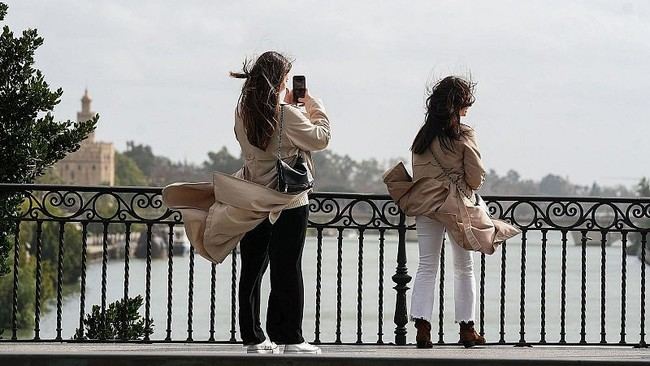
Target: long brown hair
258, 103
442, 119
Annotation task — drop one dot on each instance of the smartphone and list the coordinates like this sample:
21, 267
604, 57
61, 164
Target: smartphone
299, 87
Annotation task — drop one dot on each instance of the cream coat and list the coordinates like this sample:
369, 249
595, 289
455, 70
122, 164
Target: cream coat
431, 193
218, 214
305, 132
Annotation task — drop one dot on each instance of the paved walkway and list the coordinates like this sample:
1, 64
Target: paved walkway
208, 354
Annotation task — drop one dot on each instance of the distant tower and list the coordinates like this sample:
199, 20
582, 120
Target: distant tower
94, 162
86, 113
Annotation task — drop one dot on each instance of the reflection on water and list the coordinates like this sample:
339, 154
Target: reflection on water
369, 300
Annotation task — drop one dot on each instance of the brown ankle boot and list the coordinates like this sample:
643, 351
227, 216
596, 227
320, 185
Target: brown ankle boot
423, 337
468, 336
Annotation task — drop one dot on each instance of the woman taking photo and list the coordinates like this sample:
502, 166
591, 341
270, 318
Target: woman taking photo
268, 125
447, 170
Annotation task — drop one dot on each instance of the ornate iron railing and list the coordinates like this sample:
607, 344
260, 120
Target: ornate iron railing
114, 216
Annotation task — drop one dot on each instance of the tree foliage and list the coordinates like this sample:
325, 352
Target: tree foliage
142, 155
222, 161
25, 295
30, 139
340, 173
643, 188
127, 172
160, 170
50, 177
49, 243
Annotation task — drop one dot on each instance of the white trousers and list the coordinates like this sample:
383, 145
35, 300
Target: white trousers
430, 237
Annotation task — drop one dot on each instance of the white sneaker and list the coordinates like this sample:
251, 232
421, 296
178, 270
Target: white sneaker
303, 347
264, 347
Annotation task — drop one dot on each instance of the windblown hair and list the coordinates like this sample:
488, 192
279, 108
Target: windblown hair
442, 119
258, 103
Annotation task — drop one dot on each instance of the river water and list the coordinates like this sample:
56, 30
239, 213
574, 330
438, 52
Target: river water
370, 300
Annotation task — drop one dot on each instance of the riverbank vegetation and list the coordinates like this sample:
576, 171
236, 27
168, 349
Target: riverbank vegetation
337, 173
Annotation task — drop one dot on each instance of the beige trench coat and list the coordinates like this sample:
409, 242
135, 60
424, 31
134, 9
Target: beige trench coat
431, 193
302, 132
218, 214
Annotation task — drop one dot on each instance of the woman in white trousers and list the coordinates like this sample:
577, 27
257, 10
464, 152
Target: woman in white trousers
449, 146
430, 239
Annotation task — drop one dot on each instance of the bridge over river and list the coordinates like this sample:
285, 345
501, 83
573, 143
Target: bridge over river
541, 299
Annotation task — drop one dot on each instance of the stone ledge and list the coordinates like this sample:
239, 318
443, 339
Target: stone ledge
51, 354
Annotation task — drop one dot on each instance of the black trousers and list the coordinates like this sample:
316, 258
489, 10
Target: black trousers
279, 245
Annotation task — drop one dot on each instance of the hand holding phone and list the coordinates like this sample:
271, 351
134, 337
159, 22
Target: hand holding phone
299, 88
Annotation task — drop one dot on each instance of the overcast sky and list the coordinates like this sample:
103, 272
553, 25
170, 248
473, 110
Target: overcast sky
562, 85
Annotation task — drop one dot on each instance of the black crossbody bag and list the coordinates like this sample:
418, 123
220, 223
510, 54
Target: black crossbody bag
296, 178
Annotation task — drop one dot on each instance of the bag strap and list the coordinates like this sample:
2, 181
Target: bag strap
300, 152
280, 132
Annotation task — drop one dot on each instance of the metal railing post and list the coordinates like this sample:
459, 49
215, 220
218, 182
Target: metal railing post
401, 278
